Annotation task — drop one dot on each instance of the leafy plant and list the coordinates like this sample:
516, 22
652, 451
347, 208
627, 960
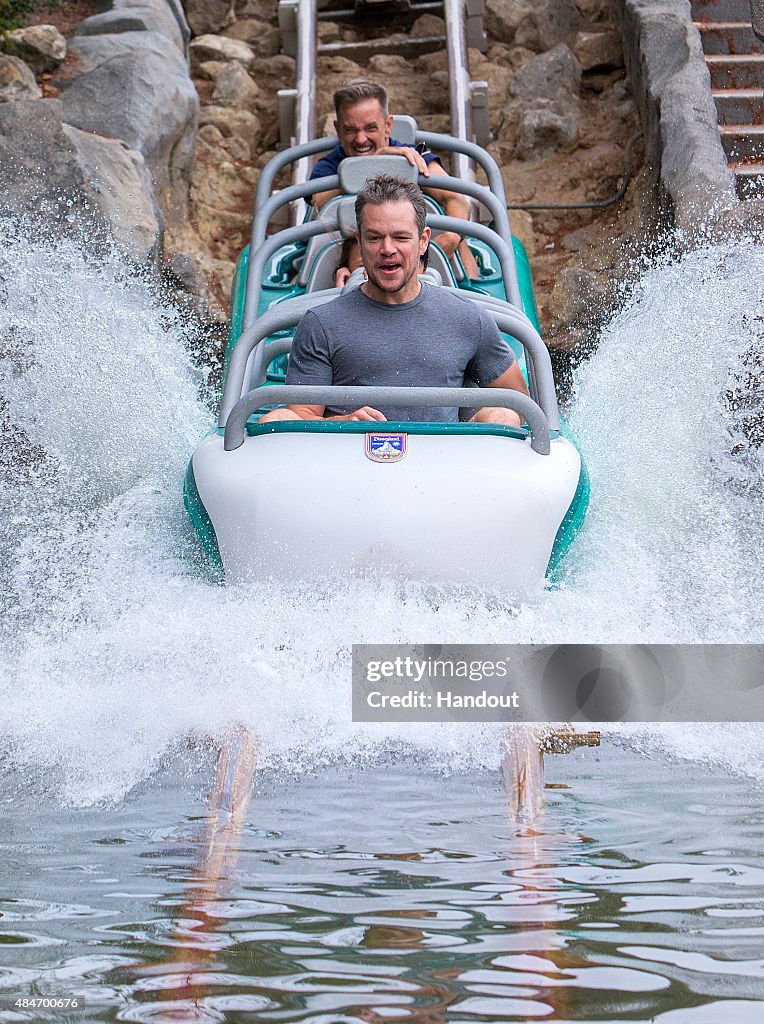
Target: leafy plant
12, 13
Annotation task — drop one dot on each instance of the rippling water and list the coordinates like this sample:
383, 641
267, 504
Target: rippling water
378, 876
432, 907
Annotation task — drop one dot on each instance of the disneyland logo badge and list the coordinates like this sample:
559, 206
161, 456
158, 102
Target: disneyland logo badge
385, 447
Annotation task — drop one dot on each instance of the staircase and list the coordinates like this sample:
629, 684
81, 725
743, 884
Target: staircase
735, 59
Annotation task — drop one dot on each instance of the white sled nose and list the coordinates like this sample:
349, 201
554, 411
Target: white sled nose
480, 509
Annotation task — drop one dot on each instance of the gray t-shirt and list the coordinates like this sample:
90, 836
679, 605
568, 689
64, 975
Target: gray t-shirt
436, 340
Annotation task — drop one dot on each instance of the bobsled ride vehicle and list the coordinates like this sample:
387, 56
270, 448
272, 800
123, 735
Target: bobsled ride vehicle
487, 505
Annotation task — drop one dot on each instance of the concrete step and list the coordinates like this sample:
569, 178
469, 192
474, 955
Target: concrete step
734, 72
721, 10
739, 106
743, 142
749, 178
728, 37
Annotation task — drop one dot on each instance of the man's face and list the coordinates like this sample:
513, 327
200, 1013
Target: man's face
362, 128
390, 245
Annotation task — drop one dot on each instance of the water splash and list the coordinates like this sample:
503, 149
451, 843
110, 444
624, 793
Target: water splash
117, 642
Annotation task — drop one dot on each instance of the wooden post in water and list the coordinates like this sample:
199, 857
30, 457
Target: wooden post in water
522, 762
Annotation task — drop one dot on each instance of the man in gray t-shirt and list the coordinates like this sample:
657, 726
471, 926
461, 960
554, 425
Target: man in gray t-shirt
394, 330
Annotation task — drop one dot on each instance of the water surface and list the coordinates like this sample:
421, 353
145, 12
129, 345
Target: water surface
398, 893
378, 877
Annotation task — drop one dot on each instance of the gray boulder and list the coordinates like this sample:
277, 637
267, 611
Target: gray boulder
209, 15
229, 122
580, 301
42, 47
555, 75
121, 183
205, 48
133, 87
504, 17
234, 88
39, 169
16, 80
262, 9
544, 131
165, 17
556, 21
666, 64
264, 39
210, 70
64, 182
596, 50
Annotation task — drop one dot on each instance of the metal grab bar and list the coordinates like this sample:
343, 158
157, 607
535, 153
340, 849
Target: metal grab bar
281, 160
301, 232
494, 241
474, 152
434, 139
268, 352
288, 314
265, 247
304, 394
277, 318
509, 321
332, 182
470, 188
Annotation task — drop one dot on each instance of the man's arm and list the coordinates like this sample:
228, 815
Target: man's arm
316, 412
454, 205
320, 199
513, 379
310, 363
323, 167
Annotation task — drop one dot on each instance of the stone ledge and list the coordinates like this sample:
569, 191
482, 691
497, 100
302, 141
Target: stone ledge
672, 89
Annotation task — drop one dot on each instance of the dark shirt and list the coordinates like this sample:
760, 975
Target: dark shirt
329, 163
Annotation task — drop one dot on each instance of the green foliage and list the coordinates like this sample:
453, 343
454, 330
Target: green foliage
12, 13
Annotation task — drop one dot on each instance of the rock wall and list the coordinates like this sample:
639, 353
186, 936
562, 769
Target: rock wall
757, 17
671, 86
111, 132
123, 81
115, 129
560, 115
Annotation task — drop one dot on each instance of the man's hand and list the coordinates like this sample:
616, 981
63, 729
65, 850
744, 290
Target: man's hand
450, 243
508, 417
365, 414
320, 199
316, 412
414, 158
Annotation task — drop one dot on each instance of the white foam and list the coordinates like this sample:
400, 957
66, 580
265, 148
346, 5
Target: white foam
116, 643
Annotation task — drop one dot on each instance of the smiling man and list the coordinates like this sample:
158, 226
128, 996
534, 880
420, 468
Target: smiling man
396, 330
363, 125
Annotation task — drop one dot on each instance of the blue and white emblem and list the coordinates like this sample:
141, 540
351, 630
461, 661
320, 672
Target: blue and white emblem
385, 447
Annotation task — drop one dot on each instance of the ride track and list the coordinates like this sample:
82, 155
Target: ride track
257, 329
